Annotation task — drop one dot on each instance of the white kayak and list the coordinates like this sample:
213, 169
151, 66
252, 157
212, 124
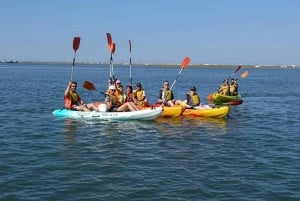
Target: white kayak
145, 114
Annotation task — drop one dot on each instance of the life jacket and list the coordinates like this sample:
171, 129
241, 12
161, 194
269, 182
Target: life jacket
115, 100
225, 89
193, 100
119, 91
166, 94
139, 95
72, 99
128, 97
233, 89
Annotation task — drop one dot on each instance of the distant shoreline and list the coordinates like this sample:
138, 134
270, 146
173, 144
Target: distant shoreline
153, 64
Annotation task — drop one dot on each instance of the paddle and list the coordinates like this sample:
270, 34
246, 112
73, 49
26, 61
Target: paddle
234, 72
91, 87
186, 61
130, 78
111, 47
76, 43
209, 96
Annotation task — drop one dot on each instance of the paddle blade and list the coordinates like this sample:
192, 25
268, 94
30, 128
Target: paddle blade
113, 48
76, 43
244, 74
209, 96
89, 86
130, 46
109, 40
237, 69
185, 62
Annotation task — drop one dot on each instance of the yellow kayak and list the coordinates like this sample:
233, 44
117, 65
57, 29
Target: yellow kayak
208, 111
169, 112
174, 111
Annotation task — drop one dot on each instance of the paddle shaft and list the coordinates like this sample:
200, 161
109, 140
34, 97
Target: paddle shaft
186, 61
130, 77
176, 79
234, 72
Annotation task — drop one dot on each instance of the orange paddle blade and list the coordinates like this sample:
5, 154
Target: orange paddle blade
113, 48
76, 43
185, 62
209, 97
89, 86
244, 74
109, 40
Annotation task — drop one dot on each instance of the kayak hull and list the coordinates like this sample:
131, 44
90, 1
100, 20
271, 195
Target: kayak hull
207, 111
218, 98
145, 114
172, 111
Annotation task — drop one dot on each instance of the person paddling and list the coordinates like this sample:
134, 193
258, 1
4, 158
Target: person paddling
73, 100
192, 98
166, 96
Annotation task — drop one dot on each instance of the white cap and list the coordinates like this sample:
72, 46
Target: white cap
112, 87
118, 81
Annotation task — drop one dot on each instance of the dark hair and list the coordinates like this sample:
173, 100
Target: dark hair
138, 84
130, 87
193, 88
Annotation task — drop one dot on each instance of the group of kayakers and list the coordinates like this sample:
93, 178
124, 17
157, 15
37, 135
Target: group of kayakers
229, 88
116, 100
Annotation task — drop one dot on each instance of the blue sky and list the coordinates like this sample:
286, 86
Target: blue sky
209, 31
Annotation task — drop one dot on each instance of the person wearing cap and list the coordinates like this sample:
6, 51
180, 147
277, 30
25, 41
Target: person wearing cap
166, 96
140, 96
192, 98
73, 100
112, 103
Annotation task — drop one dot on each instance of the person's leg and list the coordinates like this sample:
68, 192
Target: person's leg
170, 103
123, 108
92, 106
133, 106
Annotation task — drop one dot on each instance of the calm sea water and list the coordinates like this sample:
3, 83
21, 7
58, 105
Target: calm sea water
252, 155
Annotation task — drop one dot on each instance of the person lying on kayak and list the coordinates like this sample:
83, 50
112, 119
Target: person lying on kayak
73, 100
233, 87
140, 96
192, 98
113, 105
166, 96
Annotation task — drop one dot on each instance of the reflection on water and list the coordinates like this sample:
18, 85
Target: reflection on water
162, 126
69, 131
191, 125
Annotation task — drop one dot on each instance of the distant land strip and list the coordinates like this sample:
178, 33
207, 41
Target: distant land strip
159, 65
